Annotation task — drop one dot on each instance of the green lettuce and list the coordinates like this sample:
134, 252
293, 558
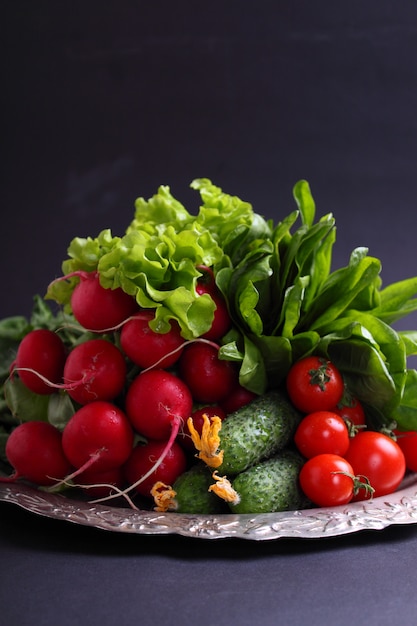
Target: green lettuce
157, 259
284, 297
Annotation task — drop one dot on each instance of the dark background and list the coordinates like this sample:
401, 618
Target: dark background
102, 102
105, 101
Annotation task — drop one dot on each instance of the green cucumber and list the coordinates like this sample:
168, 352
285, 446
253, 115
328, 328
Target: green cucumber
256, 431
270, 486
192, 493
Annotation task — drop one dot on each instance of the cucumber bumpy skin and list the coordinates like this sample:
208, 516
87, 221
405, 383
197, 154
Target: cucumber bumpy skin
271, 486
257, 431
192, 493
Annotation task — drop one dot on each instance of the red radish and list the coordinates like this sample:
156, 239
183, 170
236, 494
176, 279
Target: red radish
157, 402
184, 436
94, 370
34, 450
98, 435
98, 484
221, 322
237, 398
141, 463
97, 308
206, 280
40, 360
147, 348
209, 378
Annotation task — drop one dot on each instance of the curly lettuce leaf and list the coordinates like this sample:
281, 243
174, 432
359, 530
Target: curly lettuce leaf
156, 260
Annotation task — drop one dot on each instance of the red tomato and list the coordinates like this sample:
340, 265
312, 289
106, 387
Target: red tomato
314, 384
321, 432
379, 459
407, 440
327, 480
351, 410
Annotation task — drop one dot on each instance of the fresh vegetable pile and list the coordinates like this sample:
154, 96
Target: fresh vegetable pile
212, 363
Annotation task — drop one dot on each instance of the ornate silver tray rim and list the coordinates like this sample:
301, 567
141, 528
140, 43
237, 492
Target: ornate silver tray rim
398, 508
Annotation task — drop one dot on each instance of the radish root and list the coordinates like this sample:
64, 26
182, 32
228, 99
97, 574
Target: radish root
93, 459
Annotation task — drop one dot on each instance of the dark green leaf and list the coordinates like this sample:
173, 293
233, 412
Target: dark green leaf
252, 373
396, 300
248, 301
276, 356
405, 414
291, 308
410, 341
305, 201
23, 403
365, 372
340, 291
60, 409
304, 344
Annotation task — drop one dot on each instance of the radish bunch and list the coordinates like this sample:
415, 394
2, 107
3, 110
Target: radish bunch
131, 389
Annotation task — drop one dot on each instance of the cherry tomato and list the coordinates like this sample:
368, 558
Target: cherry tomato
351, 410
327, 480
320, 432
407, 440
314, 384
380, 459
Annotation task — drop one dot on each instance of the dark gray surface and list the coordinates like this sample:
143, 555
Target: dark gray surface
55, 571
103, 102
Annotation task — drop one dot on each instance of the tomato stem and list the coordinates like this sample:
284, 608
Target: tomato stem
359, 482
319, 376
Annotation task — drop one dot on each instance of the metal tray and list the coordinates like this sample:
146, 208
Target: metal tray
398, 508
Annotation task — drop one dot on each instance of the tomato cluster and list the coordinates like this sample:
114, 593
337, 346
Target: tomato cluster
344, 460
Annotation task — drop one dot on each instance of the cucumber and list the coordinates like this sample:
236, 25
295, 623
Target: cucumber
257, 431
270, 486
192, 494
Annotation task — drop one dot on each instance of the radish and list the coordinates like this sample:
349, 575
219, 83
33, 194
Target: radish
157, 403
209, 378
39, 361
34, 449
94, 370
141, 463
237, 398
221, 322
147, 348
97, 308
98, 435
98, 484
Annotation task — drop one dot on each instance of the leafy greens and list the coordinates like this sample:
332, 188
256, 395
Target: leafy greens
284, 298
